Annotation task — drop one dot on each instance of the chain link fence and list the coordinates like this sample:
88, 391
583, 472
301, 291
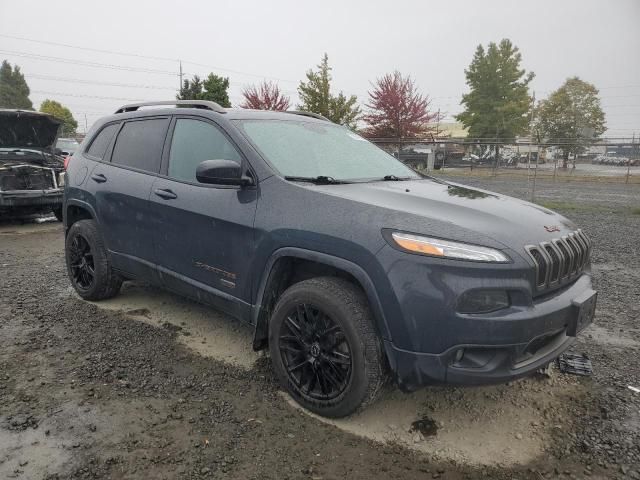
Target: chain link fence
608, 160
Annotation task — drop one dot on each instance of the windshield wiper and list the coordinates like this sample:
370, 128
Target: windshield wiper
394, 178
319, 180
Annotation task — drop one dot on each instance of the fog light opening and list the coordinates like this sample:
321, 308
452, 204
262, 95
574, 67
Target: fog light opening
483, 301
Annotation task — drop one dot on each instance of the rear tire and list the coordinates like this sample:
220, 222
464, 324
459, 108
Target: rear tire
88, 264
324, 348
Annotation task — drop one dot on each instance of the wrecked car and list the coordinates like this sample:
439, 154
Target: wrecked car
66, 146
351, 267
31, 174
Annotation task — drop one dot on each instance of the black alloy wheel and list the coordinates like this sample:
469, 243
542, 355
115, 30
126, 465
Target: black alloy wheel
315, 352
81, 262
88, 264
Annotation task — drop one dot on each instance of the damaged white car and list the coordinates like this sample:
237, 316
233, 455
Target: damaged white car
31, 174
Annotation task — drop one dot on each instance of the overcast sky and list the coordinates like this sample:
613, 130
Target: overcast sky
598, 41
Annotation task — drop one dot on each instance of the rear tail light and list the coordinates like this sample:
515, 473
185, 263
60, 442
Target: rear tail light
67, 159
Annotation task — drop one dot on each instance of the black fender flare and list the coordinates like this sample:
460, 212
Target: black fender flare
260, 321
78, 203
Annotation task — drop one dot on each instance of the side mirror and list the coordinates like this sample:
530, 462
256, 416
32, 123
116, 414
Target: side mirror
222, 172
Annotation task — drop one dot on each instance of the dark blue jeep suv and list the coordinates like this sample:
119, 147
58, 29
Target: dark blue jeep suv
350, 266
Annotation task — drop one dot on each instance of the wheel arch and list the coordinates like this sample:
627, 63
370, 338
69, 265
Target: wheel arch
76, 210
282, 271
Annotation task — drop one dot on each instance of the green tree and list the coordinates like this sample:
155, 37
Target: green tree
14, 91
316, 97
571, 115
213, 88
69, 124
498, 102
191, 89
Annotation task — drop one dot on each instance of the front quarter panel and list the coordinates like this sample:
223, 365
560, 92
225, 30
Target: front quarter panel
290, 216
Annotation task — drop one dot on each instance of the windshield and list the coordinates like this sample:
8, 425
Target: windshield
64, 144
312, 149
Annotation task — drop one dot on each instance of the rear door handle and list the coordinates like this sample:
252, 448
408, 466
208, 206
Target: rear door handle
165, 193
98, 177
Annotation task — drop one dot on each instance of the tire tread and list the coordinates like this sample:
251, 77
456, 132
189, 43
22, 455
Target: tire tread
108, 281
355, 302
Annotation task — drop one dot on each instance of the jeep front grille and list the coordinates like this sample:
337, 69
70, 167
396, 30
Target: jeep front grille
560, 260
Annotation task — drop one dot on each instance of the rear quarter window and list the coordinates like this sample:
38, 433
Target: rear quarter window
139, 144
101, 141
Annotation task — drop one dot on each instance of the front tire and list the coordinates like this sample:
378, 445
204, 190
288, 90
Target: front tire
88, 264
324, 348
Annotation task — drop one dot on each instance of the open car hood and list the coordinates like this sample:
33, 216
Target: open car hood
28, 130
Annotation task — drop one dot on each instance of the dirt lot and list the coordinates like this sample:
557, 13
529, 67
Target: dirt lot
148, 385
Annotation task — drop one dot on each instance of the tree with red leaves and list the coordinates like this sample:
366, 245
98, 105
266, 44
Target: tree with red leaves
397, 110
265, 96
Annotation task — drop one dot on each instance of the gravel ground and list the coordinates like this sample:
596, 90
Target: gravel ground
91, 392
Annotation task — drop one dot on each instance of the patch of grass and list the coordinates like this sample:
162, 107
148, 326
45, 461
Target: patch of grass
562, 206
559, 205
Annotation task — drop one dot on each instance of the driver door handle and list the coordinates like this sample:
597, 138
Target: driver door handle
98, 177
165, 193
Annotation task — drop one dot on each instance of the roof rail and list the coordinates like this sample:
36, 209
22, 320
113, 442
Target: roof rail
308, 114
204, 104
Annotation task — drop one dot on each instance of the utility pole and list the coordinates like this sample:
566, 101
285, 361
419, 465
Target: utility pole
438, 124
180, 75
533, 105
633, 151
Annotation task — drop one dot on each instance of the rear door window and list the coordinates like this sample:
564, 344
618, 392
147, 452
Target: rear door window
193, 142
139, 144
102, 140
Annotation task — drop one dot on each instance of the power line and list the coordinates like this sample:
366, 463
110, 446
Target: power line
124, 85
88, 49
213, 67
96, 82
42, 92
150, 57
51, 58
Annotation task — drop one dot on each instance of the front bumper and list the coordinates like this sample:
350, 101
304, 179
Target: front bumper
418, 369
31, 198
500, 346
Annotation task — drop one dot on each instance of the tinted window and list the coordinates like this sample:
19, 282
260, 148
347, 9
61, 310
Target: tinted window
101, 141
193, 142
139, 144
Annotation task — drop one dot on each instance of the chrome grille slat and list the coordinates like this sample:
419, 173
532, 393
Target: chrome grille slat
578, 250
587, 244
565, 258
560, 260
556, 263
572, 255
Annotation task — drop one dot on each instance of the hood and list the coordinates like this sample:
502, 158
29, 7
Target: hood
27, 130
506, 220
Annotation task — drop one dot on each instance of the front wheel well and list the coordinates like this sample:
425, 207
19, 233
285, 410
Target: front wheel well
286, 272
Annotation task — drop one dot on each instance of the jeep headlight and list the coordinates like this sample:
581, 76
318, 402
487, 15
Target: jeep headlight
437, 247
61, 178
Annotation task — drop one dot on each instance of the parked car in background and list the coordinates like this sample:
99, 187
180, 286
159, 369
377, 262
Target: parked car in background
617, 161
66, 146
351, 267
31, 174
444, 155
